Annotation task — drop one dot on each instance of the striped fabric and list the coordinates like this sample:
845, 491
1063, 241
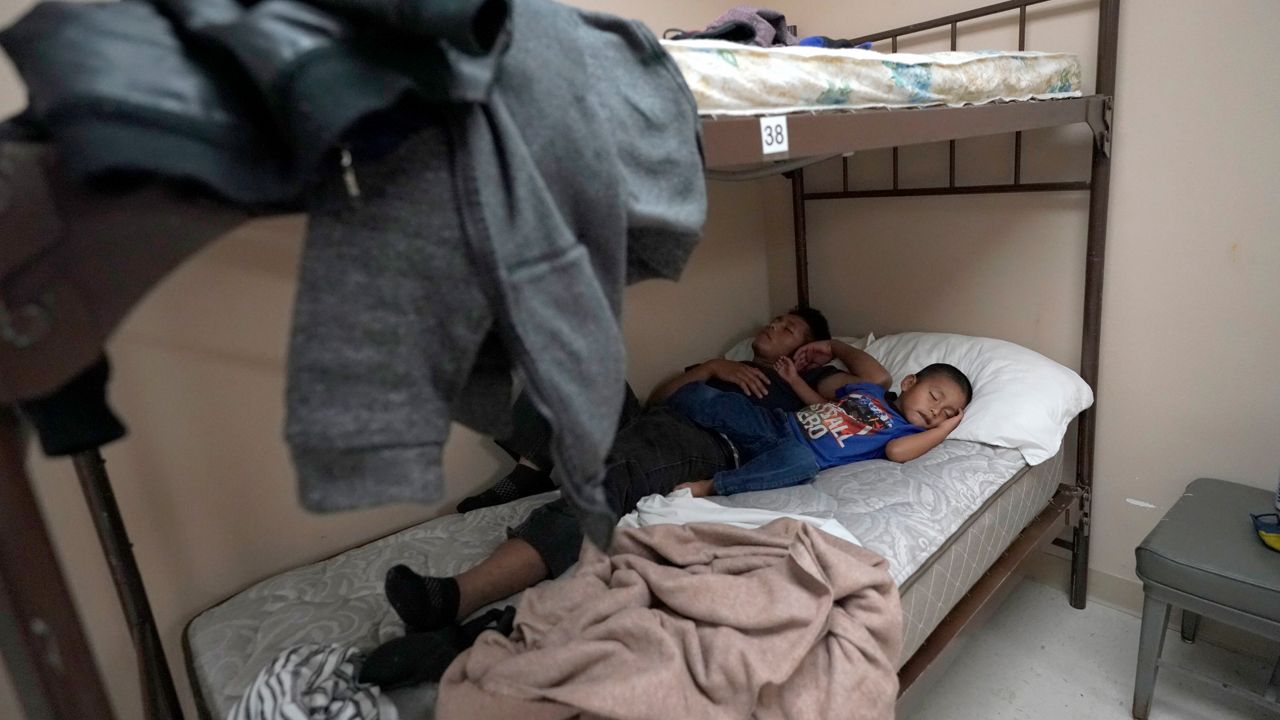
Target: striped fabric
312, 682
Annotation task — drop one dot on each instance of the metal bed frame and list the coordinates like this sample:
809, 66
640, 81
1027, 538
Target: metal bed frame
733, 145
43, 641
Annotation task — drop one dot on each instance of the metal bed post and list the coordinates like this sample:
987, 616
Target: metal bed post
1098, 114
41, 637
733, 143
802, 248
159, 696
1099, 188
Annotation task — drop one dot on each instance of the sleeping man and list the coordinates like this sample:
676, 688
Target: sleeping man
655, 450
530, 440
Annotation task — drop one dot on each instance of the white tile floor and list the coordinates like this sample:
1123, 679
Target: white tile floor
1039, 659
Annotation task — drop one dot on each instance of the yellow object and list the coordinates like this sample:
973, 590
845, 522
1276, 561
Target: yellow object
1268, 527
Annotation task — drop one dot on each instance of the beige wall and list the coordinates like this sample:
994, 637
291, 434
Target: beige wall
203, 479
1190, 345
1190, 365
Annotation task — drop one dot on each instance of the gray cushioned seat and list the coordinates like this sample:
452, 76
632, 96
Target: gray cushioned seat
1206, 546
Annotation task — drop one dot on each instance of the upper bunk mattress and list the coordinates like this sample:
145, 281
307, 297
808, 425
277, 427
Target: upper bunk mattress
731, 79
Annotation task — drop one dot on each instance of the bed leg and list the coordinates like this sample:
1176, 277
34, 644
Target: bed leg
159, 696
1080, 563
42, 640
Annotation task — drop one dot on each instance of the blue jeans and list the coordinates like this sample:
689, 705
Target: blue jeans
772, 457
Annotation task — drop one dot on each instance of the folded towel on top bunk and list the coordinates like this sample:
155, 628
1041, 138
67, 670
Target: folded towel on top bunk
703, 620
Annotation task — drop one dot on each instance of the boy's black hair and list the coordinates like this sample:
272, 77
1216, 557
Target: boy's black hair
952, 373
816, 321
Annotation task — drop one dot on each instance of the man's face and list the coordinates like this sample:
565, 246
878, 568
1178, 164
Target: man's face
781, 337
928, 401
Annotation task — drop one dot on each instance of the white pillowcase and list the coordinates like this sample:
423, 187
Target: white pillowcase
742, 352
1021, 399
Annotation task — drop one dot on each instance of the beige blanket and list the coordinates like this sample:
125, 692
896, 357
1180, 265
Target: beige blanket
695, 621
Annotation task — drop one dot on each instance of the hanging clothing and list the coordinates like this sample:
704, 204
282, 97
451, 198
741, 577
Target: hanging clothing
506, 169
76, 417
247, 98
498, 237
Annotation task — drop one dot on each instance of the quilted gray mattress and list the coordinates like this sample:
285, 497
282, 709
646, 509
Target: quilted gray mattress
940, 520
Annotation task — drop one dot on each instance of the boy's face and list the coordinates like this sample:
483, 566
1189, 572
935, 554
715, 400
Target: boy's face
781, 337
928, 401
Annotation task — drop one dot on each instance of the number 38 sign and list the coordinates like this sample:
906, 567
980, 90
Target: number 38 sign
773, 134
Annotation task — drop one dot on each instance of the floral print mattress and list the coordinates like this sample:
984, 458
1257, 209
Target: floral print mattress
732, 79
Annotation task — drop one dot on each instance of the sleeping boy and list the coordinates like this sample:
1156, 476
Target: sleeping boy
850, 417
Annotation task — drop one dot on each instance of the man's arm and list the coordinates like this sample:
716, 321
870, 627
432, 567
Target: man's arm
752, 380
910, 447
862, 367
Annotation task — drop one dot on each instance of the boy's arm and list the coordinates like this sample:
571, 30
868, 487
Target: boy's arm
862, 367
787, 369
910, 447
753, 382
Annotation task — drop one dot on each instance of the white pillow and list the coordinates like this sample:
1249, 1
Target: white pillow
742, 352
1021, 399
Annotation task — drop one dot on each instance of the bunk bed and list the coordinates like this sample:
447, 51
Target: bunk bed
736, 146
1032, 509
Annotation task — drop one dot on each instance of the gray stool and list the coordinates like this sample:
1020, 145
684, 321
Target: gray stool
1205, 558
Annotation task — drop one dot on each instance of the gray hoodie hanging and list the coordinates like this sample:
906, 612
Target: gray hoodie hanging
497, 238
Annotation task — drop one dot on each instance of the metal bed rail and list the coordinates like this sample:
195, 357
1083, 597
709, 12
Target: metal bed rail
1096, 110
954, 21
980, 602
733, 143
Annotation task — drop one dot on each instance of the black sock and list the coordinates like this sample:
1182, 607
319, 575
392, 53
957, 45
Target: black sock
413, 659
522, 481
423, 603
418, 658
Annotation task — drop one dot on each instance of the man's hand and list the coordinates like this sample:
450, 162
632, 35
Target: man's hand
815, 354
787, 369
751, 379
